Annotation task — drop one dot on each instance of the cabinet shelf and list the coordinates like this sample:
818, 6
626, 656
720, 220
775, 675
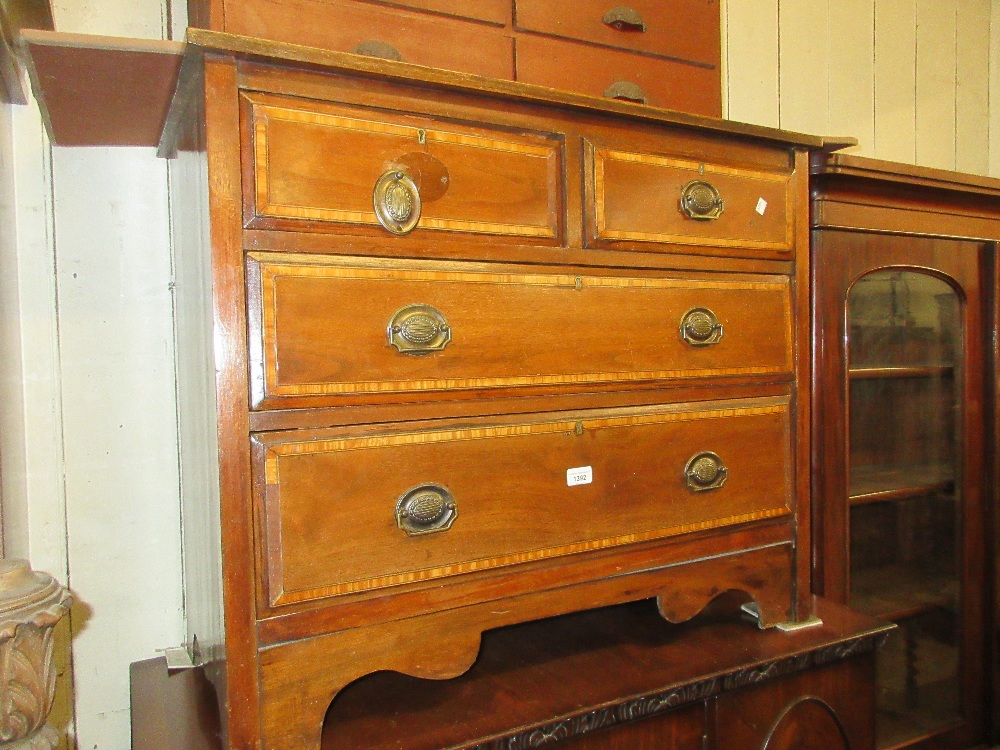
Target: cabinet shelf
879, 484
909, 371
900, 591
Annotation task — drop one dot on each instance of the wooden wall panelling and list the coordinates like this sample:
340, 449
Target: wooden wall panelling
936, 75
895, 80
972, 105
750, 58
804, 45
852, 70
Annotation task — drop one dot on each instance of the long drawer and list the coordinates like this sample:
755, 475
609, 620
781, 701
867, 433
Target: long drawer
328, 330
357, 510
681, 29
618, 74
394, 33
318, 166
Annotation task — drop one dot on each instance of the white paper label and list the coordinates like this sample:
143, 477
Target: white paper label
579, 475
761, 206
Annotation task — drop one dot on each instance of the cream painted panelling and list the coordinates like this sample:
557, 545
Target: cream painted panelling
908, 78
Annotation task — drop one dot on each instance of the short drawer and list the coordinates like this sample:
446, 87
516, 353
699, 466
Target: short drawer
616, 74
320, 164
344, 512
655, 202
343, 25
329, 329
682, 29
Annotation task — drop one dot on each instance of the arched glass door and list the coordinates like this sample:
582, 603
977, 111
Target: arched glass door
904, 410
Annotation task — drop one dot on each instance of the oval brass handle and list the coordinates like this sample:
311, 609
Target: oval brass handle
425, 509
378, 48
397, 202
700, 200
624, 18
705, 471
700, 327
418, 329
626, 90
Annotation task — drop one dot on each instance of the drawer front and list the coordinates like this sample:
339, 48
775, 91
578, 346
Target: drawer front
343, 514
595, 71
492, 11
321, 328
636, 199
682, 29
321, 164
342, 25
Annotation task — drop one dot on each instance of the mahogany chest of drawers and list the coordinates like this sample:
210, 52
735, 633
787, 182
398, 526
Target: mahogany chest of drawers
460, 353
663, 53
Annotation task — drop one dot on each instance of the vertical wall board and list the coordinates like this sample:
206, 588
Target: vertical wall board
895, 80
852, 72
119, 424
804, 72
936, 76
972, 103
994, 96
751, 59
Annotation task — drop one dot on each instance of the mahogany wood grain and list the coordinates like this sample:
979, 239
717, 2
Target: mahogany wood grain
342, 25
665, 83
509, 482
548, 577
588, 679
301, 678
637, 200
238, 656
102, 91
871, 199
510, 328
829, 709
496, 12
804, 368
320, 586
683, 29
319, 162
451, 86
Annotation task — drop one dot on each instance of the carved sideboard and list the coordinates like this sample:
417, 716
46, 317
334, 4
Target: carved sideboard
458, 353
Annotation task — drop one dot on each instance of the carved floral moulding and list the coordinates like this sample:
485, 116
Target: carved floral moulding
31, 603
639, 707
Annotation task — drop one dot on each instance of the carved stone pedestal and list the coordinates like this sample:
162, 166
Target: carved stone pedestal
31, 603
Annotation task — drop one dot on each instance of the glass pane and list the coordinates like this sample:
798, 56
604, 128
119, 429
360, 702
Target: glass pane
904, 342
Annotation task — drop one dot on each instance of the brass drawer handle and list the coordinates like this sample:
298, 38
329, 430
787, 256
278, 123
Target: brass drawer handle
397, 202
378, 48
700, 200
705, 471
418, 329
624, 18
425, 509
626, 90
700, 327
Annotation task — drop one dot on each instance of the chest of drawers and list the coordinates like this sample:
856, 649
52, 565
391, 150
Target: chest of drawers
663, 53
461, 353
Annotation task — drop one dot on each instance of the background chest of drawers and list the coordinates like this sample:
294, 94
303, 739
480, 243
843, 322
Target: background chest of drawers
662, 53
573, 382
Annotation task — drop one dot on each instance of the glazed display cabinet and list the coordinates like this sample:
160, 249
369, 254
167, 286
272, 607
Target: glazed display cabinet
903, 312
